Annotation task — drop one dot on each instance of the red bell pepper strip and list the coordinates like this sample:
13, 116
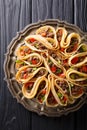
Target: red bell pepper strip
34, 61
25, 75
29, 84
62, 75
53, 69
75, 46
83, 69
74, 60
32, 40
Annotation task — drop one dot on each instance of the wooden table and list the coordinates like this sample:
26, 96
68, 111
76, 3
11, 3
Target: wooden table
14, 16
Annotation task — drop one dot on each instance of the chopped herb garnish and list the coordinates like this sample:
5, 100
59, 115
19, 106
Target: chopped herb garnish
72, 67
35, 68
72, 76
43, 98
19, 61
59, 71
59, 95
49, 61
83, 48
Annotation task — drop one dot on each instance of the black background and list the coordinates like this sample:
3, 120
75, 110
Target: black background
14, 16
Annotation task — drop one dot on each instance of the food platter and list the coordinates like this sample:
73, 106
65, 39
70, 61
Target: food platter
18, 87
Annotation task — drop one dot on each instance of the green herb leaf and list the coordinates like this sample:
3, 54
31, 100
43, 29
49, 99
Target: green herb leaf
59, 95
72, 76
19, 61
43, 98
84, 48
49, 61
59, 71
35, 68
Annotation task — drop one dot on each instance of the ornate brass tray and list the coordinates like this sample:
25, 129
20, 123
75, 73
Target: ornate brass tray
15, 87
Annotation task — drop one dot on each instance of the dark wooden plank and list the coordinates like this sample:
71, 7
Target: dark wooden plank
54, 123
14, 15
80, 19
80, 16
57, 9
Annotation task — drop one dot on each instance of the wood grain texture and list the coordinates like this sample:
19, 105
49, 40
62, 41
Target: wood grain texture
14, 16
80, 15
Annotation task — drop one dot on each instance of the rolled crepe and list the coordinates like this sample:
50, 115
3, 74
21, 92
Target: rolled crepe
64, 85
61, 34
46, 31
36, 85
43, 93
51, 99
76, 77
38, 44
25, 73
82, 48
49, 33
33, 60
22, 51
76, 91
73, 40
78, 59
59, 94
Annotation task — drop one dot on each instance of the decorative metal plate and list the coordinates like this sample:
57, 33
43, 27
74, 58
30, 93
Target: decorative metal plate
15, 88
